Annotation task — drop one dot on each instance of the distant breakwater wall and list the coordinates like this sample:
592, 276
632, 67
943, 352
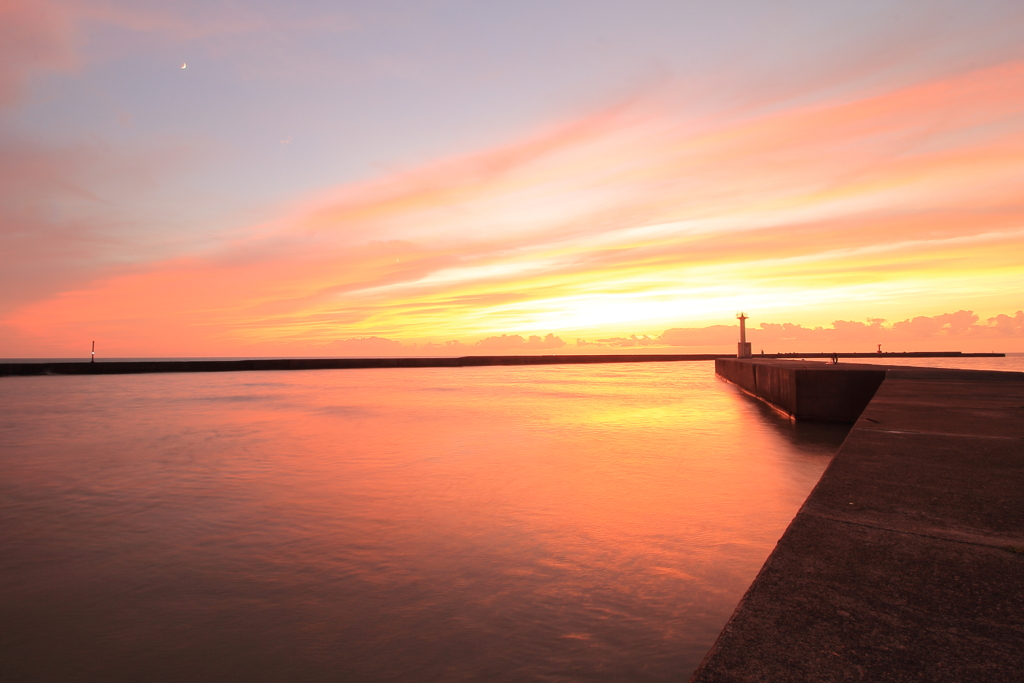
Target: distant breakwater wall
137, 367
128, 367
883, 355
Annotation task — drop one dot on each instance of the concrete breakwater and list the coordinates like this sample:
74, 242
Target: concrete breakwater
121, 367
149, 366
807, 390
906, 562
883, 355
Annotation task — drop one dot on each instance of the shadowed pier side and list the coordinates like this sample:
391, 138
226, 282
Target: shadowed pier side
906, 562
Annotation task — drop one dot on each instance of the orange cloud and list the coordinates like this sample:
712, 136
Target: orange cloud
34, 35
635, 219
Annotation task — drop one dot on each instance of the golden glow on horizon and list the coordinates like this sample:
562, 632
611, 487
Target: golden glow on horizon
891, 205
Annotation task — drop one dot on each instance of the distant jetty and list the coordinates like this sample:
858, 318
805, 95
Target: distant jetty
129, 367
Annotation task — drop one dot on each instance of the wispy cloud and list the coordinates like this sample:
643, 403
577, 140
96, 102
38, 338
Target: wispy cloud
634, 219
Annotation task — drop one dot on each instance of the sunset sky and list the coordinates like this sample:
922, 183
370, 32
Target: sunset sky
338, 178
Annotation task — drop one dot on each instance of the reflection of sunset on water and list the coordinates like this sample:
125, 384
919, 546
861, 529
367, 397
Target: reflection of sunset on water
601, 518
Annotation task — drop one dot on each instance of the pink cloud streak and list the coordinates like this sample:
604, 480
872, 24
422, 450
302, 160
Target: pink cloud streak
626, 219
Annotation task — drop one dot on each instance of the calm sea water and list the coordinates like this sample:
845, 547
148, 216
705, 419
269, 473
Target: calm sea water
560, 523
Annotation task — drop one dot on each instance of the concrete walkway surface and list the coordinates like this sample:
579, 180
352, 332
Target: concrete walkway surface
906, 562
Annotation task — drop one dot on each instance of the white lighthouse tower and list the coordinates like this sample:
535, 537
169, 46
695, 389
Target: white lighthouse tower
743, 348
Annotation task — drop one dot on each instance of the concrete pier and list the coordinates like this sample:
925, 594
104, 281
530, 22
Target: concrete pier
906, 562
808, 390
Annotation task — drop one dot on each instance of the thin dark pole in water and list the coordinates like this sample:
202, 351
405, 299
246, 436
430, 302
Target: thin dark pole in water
92, 359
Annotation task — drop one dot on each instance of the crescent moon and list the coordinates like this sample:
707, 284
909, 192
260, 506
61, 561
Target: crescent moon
183, 65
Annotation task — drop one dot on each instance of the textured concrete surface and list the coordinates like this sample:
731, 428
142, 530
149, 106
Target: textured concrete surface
906, 562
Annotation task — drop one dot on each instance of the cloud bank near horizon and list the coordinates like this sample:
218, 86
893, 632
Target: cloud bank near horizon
842, 335
959, 327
